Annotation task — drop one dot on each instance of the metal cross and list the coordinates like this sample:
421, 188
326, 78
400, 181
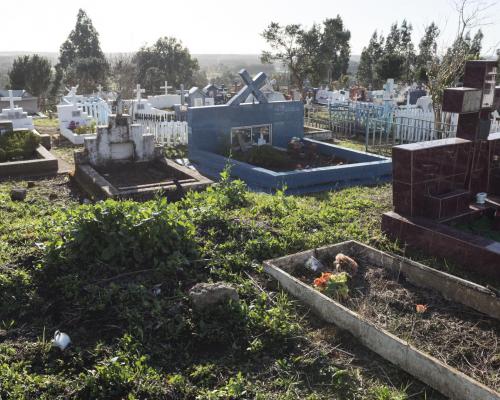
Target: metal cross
166, 87
138, 92
12, 99
252, 87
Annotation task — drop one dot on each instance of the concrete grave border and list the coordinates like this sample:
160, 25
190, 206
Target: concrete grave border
99, 187
45, 164
75, 138
447, 380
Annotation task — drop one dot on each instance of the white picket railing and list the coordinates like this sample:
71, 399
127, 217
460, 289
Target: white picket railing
98, 110
416, 125
169, 133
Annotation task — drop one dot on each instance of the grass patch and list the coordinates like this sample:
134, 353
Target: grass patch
89, 270
46, 122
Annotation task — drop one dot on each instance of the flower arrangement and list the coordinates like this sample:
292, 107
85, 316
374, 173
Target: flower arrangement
333, 284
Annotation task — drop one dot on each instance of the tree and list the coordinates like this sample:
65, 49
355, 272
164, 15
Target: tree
407, 49
444, 71
123, 75
398, 55
335, 47
81, 60
320, 53
166, 60
426, 50
33, 74
390, 65
370, 56
286, 48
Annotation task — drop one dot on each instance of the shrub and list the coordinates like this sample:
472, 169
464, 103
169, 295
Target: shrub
106, 258
18, 145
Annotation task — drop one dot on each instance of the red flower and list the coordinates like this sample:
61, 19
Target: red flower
320, 283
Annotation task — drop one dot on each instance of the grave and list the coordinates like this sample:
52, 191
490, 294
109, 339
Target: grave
446, 342
164, 101
27, 102
436, 183
18, 117
122, 161
74, 123
33, 160
217, 131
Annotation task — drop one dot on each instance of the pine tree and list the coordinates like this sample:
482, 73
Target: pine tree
81, 60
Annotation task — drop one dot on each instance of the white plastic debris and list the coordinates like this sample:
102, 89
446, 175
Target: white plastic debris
61, 340
314, 264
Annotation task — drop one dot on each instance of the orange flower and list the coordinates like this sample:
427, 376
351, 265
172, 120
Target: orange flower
421, 308
321, 282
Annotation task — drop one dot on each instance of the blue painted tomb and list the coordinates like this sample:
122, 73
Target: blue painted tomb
216, 132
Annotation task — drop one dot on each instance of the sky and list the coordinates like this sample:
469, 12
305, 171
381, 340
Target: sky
218, 26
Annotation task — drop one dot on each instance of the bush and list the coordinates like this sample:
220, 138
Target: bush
18, 145
106, 258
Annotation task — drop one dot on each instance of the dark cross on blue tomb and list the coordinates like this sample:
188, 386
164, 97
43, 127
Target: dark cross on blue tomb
252, 86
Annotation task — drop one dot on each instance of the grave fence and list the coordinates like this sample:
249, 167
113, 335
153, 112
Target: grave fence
98, 110
166, 132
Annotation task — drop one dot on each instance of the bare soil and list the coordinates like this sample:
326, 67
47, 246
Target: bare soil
140, 174
455, 334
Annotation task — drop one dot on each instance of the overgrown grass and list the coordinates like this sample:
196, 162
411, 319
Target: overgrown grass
89, 270
46, 122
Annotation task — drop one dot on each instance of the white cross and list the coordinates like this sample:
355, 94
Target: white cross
72, 94
138, 92
166, 87
99, 89
12, 99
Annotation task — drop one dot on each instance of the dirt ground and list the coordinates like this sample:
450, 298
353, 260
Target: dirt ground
454, 334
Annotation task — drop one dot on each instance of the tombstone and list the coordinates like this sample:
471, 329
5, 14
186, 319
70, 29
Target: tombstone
269, 92
28, 102
439, 180
119, 141
213, 128
16, 115
196, 97
123, 161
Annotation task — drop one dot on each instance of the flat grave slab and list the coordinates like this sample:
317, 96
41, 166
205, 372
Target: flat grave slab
380, 311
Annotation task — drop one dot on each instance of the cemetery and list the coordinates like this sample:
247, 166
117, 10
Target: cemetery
219, 130
323, 224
